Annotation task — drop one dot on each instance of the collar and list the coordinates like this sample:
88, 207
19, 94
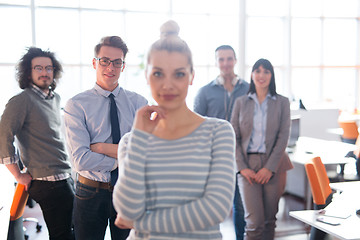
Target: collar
253, 96
220, 80
41, 93
106, 93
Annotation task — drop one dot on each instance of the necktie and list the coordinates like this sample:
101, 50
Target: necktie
115, 132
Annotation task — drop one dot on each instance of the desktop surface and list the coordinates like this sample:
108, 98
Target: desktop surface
341, 213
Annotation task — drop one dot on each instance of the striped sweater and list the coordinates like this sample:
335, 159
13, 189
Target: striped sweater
177, 189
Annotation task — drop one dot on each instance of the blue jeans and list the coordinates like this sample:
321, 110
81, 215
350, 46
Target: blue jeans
238, 213
56, 202
93, 209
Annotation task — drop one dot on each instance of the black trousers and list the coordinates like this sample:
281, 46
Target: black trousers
56, 202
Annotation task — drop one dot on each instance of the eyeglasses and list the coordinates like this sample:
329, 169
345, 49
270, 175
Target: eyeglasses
48, 69
118, 63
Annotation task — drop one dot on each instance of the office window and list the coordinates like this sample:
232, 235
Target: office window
340, 87
338, 8
92, 30
61, 34
265, 39
340, 42
15, 33
267, 8
313, 44
56, 3
306, 8
306, 42
8, 85
306, 86
140, 34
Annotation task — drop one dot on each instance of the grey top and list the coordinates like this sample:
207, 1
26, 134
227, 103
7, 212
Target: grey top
36, 123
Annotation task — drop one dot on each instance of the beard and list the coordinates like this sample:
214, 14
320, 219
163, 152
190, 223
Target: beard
43, 85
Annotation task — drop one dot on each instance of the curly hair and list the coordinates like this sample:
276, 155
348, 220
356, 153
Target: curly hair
24, 68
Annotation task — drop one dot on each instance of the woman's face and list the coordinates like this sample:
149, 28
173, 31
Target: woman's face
262, 78
169, 77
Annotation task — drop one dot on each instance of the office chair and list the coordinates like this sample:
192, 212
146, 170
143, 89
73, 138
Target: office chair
16, 229
350, 131
320, 189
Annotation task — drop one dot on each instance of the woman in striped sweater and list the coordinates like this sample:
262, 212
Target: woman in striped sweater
176, 168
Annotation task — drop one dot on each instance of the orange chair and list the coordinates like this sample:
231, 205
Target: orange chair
16, 229
323, 178
320, 189
350, 131
319, 182
19, 202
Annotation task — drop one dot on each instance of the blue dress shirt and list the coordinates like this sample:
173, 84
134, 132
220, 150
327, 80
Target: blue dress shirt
257, 140
87, 121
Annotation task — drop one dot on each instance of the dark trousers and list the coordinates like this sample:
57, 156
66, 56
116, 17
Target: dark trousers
56, 202
93, 209
238, 214
351, 154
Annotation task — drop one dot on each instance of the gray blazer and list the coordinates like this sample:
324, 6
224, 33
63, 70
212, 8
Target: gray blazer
276, 136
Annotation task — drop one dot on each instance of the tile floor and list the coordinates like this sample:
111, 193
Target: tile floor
288, 228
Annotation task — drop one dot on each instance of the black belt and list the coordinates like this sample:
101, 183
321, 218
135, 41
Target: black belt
255, 153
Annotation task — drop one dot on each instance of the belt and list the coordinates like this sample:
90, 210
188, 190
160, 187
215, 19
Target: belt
255, 153
93, 183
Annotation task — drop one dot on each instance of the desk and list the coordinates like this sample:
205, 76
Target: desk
332, 153
6, 197
349, 201
343, 186
349, 117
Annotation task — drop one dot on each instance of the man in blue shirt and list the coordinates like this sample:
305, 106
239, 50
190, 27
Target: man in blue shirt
216, 99
91, 144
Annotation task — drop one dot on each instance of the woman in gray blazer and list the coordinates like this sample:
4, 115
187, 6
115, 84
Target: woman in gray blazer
261, 121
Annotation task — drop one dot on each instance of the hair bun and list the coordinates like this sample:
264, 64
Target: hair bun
170, 28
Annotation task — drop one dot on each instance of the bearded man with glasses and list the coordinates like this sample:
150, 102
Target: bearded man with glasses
33, 117
95, 120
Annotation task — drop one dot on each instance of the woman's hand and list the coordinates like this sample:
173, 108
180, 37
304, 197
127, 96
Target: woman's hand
148, 117
263, 176
248, 174
123, 224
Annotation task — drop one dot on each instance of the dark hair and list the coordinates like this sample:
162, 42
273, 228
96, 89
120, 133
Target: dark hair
111, 41
267, 65
24, 68
225, 47
171, 42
